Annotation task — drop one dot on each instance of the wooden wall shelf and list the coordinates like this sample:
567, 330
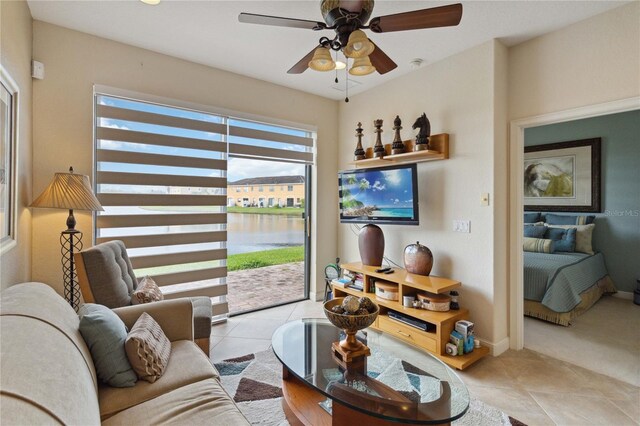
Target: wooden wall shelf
409, 285
439, 150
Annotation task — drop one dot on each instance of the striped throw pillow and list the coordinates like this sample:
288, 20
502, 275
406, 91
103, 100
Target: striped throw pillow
148, 348
146, 292
538, 245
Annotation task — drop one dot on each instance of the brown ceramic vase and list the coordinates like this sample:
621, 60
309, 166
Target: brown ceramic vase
418, 259
371, 245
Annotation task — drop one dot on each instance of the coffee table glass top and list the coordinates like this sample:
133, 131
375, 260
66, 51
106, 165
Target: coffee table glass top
401, 383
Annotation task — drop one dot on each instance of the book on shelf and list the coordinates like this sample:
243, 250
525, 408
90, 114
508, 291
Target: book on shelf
341, 282
357, 285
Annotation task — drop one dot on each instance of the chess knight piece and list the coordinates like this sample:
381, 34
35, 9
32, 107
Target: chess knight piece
378, 149
359, 152
398, 146
422, 138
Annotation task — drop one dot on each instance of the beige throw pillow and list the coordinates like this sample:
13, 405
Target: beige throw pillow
584, 234
147, 291
148, 349
538, 245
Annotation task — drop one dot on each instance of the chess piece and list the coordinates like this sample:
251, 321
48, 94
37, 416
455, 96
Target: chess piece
422, 138
398, 146
359, 152
378, 149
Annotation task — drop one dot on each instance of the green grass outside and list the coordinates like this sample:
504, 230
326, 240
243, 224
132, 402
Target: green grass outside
235, 262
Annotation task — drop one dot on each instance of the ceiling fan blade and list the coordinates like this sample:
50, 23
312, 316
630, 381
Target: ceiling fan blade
381, 61
443, 16
302, 64
251, 18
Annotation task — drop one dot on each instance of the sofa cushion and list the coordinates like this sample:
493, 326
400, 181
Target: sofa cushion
105, 334
47, 374
146, 292
187, 364
201, 403
148, 349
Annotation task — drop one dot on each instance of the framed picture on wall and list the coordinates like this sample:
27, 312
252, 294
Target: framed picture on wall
563, 176
8, 138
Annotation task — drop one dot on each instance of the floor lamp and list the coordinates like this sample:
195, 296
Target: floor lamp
72, 192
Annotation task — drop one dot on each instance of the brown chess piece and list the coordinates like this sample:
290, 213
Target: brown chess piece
398, 146
378, 149
359, 152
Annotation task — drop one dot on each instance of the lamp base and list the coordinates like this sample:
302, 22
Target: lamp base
71, 242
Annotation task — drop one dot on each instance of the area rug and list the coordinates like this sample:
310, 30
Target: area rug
254, 383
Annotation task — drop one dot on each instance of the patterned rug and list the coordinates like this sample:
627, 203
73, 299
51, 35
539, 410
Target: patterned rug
254, 382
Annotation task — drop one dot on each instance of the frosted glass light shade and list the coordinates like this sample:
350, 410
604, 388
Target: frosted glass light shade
358, 45
362, 66
68, 191
322, 60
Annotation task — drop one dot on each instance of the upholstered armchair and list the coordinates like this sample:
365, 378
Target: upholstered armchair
106, 277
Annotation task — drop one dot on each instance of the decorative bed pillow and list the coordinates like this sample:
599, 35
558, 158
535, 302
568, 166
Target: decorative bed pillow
584, 234
147, 291
539, 245
531, 217
104, 333
563, 219
148, 349
534, 231
563, 239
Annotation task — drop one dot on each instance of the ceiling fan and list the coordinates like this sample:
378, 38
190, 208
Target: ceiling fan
348, 18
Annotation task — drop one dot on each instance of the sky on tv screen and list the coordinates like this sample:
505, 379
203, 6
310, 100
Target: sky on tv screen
378, 193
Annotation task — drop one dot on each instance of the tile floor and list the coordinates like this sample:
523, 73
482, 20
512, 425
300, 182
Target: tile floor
531, 387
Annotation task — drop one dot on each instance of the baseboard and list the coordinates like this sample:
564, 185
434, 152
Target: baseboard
627, 295
496, 348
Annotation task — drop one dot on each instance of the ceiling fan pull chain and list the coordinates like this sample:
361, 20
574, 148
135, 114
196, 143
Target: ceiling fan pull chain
336, 80
346, 73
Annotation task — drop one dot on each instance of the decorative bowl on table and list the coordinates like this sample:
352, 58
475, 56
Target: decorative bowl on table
351, 314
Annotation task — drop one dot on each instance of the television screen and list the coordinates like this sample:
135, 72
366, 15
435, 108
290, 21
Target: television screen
379, 195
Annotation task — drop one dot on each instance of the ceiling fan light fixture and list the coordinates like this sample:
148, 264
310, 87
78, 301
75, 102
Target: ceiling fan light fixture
151, 2
322, 60
340, 65
362, 66
358, 45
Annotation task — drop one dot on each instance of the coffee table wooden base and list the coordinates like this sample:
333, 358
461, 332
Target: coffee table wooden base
300, 404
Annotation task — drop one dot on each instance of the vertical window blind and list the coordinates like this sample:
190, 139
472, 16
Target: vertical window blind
161, 178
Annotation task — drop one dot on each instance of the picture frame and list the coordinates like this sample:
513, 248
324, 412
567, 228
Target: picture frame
563, 176
9, 98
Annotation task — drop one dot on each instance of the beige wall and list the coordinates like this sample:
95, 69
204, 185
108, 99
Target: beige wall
63, 123
458, 95
593, 61
15, 55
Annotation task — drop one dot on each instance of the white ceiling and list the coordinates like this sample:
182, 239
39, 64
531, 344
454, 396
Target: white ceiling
208, 32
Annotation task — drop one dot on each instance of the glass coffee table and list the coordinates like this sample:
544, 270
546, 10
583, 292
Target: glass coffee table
415, 389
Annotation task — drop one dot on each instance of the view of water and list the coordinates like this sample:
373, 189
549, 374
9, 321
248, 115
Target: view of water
257, 232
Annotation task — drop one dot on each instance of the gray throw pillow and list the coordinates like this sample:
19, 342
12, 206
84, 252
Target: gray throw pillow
105, 333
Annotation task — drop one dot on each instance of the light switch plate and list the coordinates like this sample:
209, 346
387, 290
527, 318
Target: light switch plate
462, 226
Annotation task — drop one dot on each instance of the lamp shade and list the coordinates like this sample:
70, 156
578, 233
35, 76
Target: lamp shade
362, 66
322, 60
68, 191
358, 45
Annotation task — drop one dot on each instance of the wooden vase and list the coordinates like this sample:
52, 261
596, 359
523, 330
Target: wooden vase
371, 245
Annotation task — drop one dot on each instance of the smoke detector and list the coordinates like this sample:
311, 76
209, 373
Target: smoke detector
416, 63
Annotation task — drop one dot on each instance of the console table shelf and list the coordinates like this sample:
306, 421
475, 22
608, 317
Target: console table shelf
409, 284
439, 145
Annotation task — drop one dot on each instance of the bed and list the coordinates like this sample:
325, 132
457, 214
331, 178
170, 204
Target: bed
560, 286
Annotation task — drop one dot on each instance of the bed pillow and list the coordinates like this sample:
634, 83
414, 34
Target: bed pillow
563, 239
563, 219
538, 245
534, 231
531, 217
584, 235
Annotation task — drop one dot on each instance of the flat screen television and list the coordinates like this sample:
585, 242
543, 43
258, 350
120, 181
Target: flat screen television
382, 195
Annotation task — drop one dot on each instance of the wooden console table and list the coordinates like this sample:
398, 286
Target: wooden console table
409, 285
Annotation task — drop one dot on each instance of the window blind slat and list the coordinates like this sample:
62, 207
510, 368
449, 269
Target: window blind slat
209, 291
119, 178
126, 221
122, 135
116, 113
159, 160
161, 200
156, 240
177, 258
218, 308
273, 153
192, 276
244, 132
